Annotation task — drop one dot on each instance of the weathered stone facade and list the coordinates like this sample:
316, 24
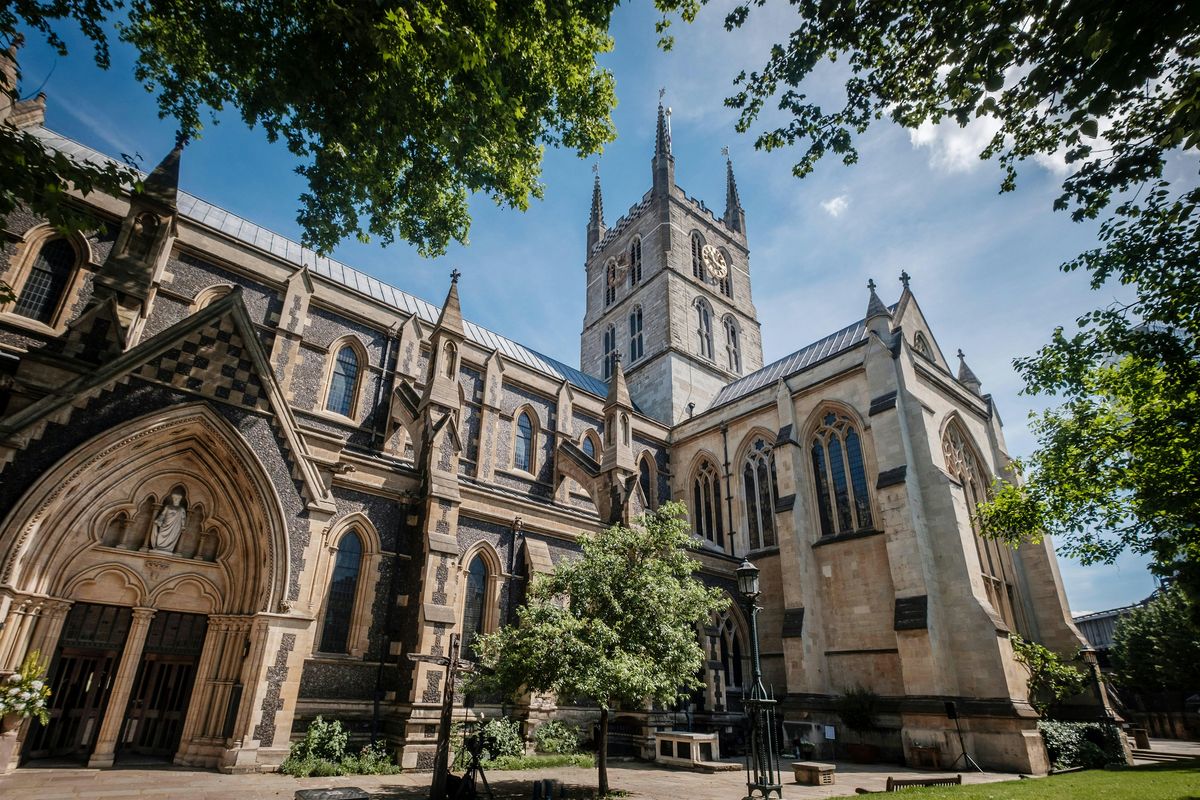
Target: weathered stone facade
364, 474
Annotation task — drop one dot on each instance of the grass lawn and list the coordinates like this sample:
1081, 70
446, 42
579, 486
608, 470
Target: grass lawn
1179, 781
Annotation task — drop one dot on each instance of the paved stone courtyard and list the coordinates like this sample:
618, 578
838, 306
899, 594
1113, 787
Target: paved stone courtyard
639, 779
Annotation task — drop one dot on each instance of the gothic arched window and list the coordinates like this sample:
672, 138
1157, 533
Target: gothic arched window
450, 351
733, 347
921, 345
706, 504
474, 602
610, 350
726, 283
610, 284
646, 479
343, 383
635, 261
697, 258
589, 446
761, 491
635, 335
995, 561
343, 587
704, 328
523, 444
841, 477
41, 295
730, 647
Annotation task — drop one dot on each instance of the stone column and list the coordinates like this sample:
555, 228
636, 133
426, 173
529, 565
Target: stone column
118, 699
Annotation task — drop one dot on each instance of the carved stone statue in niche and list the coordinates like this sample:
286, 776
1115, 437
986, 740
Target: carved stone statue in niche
168, 525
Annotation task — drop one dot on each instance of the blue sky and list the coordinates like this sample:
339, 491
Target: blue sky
982, 263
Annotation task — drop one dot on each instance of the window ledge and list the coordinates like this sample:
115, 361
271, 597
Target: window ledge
845, 537
523, 475
334, 416
763, 551
29, 324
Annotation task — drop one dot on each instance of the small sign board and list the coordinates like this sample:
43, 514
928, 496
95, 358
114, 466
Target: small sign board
830, 732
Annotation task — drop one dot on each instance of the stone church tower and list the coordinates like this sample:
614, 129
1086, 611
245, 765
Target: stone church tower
668, 290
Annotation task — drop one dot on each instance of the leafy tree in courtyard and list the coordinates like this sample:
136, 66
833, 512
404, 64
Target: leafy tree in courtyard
616, 626
1051, 679
1156, 648
398, 110
1113, 88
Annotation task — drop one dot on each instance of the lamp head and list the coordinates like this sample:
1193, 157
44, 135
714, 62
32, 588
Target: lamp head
747, 579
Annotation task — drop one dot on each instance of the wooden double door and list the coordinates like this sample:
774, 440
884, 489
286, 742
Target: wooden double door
84, 670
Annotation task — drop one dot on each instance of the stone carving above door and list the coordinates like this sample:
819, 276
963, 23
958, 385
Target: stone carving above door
171, 524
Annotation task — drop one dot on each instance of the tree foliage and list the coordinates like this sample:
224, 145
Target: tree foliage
1051, 679
616, 626
1156, 647
397, 110
1113, 89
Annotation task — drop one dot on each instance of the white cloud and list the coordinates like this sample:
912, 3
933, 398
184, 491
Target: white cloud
953, 148
836, 206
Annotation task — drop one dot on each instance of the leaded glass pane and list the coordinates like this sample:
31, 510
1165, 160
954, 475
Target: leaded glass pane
523, 450
473, 605
822, 480
858, 479
48, 278
342, 588
841, 490
343, 382
644, 479
766, 505
752, 515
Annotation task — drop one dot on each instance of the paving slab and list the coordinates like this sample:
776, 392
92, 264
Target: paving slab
641, 780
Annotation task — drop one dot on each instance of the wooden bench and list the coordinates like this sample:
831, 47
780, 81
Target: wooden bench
813, 773
896, 784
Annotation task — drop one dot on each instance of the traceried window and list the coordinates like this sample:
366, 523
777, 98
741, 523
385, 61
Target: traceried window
473, 605
610, 351
610, 283
635, 262
840, 474
922, 346
704, 328
523, 446
697, 257
706, 504
733, 346
995, 561
343, 586
646, 479
760, 490
730, 647
635, 335
42, 293
343, 383
589, 447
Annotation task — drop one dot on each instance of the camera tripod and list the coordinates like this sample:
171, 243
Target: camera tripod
963, 755
467, 788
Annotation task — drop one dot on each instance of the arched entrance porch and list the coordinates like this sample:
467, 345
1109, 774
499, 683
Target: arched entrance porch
148, 565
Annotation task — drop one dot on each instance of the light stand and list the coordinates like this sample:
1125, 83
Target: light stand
762, 773
963, 755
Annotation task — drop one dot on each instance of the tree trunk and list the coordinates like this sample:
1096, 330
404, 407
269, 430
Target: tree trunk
602, 752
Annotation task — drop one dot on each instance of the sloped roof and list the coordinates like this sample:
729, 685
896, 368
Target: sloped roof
798, 361
204, 213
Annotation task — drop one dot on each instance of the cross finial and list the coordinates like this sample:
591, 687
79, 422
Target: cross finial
960, 353
455, 275
871, 284
662, 92
725, 151
904, 278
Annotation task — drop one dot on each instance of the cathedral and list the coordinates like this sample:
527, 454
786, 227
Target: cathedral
243, 485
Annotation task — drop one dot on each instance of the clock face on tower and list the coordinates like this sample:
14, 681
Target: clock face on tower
714, 262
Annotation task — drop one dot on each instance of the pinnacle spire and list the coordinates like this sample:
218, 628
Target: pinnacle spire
965, 376
162, 185
663, 162
735, 217
618, 390
596, 227
451, 317
662, 139
875, 306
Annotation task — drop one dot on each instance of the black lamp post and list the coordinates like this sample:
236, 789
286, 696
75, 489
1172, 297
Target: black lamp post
762, 773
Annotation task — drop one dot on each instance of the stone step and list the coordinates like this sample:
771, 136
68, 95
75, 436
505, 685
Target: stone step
1162, 755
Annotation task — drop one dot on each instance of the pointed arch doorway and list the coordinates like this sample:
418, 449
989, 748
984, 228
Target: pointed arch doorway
152, 563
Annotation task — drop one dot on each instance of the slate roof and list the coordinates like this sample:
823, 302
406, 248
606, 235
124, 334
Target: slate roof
257, 236
798, 361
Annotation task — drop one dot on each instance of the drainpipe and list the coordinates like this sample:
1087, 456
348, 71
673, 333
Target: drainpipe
728, 485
